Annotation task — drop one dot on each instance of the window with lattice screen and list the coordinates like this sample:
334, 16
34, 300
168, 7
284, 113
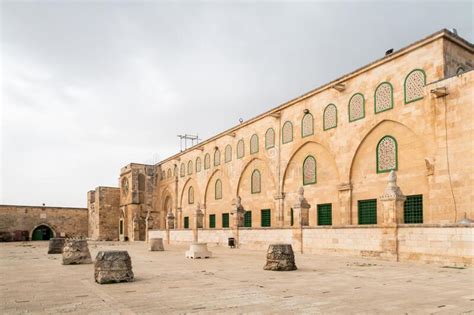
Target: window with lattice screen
218, 189
190, 167
414, 85
383, 97
212, 221
356, 107
387, 154
256, 182
198, 164
324, 214
266, 218
254, 144
287, 132
413, 209
217, 157
307, 125
228, 153
207, 161
330, 117
191, 195
367, 211
309, 170
225, 220
248, 219
269, 138
240, 149
182, 170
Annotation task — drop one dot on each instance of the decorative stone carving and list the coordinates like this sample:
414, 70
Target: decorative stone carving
56, 245
198, 250
280, 257
198, 217
76, 251
238, 212
392, 201
156, 244
170, 218
301, 209
113, 266
429, 167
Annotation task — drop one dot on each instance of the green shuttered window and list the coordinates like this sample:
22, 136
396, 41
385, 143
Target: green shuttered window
367, 211
225, 220
266, 218
248, 219
413, 209
212, 221
186, 222
325, 214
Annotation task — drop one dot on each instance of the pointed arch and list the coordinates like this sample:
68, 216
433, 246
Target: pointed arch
356, 107
307, 125
330, 117
228, 153
184, 191
254, 144
217, 157
413, 86
190, 167
387, 154
256, 182
287, 132
269, 138
383, 97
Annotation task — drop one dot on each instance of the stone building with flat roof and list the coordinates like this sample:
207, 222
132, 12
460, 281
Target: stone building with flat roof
410, 112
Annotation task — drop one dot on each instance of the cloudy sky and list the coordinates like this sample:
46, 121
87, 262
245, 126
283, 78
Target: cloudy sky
89, 86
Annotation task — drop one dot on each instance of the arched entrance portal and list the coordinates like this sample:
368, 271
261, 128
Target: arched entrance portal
42, 233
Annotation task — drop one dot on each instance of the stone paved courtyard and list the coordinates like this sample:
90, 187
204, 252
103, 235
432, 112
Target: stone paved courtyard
231, 282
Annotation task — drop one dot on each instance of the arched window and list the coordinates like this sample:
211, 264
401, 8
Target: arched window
256, 182
163, 175
182, 170
168, 173
383, 97
387, 154
191, 195
190, 167
240, 149
218, 189
207, 161
287, 132
356, 107
141, 182
228, 153
254, 144
198, 164
307, 125
269, 138
175, 171
330, 117
413, 86
217, 157
309, 170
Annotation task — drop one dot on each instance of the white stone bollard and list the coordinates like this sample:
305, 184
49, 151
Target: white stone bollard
156, 244
198, 250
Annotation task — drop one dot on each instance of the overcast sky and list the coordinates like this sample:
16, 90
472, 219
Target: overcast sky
87, 87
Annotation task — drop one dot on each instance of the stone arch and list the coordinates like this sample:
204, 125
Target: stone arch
46, 227
264, 198
220, 205
322, 191
184, 191
367, 183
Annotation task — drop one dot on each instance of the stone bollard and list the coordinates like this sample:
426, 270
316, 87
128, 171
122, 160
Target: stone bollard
113, 266
56, 246
198, 250
280, 257
156, 244
76, 252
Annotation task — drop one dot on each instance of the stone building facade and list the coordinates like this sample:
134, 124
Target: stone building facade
103, 211
21, 223
410, 112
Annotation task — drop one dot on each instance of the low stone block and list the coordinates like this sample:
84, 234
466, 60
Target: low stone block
156, 244
280, 257
56, 245
113, 266
76, 252
198, 250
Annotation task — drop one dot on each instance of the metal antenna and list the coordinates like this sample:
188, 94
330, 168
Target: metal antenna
194, 140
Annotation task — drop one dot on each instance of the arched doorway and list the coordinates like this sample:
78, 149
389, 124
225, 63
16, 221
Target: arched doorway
42, 233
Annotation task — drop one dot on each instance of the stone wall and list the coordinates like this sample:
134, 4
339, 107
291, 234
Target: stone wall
441, 244
104, 212
70, 222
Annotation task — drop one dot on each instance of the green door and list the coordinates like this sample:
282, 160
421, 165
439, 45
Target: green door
42, 233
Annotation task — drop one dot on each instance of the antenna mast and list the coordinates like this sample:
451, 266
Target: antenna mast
193, 138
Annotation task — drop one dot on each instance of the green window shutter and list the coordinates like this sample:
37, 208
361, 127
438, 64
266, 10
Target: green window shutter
266, 218
325, 214
248, 219
367, 211
292, 217
186, 222
212, 221
413, 209
225, 220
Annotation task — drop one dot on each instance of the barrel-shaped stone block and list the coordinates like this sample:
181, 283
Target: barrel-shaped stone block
56, 245
156, 244
76, 252
280, 257
113, 266
198, 250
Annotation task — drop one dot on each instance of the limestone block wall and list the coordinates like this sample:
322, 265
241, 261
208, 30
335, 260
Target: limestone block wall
259, 239
70, 222
437, 244
104, 212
